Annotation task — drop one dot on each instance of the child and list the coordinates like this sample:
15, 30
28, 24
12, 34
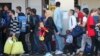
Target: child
42, 31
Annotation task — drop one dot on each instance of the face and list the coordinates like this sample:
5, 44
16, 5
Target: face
83, 13
69, 13
10, 13
27, 11
45, 14
76, 10
6, 8
41, 24
98, 11
17, 11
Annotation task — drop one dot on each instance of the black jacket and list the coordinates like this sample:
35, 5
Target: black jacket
34, 22
49, 24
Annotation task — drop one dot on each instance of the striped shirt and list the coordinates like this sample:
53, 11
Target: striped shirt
14, 26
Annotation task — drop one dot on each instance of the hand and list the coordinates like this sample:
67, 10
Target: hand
86, 32
13, 34
57, 33
31, 30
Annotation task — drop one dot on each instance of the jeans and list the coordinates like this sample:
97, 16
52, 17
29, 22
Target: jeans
48, 46
22, 39
35, 43
59, 41
1, 43
85, 39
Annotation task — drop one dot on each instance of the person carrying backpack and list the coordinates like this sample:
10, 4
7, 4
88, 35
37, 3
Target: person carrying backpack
22, 24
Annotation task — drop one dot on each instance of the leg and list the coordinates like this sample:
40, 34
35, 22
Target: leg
22, 38
36, 42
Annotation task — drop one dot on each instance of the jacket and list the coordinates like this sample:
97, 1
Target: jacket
91, 26
34, 22
58, 16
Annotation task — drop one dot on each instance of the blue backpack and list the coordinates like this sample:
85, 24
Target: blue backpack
22, 23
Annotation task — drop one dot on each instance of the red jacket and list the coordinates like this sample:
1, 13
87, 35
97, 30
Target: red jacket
90, 26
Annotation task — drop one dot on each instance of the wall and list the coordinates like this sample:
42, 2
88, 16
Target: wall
36, 4
67, 4
90, 3
15, 3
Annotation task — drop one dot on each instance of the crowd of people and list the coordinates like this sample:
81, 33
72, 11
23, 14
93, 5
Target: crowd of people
45, 32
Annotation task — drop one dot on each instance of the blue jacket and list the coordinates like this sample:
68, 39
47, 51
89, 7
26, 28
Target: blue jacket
58, 16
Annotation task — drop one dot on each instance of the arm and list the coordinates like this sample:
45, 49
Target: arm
52, 24
74, 23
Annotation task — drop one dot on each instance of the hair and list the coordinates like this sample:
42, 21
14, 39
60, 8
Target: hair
33, 11
78, 7
98, 8
57, 4
12, 11
28, 8
49, 13
19, 8
73, 12
93, 10
86, 11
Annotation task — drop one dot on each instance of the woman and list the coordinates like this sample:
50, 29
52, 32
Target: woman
14, 24
91, 29
49, 24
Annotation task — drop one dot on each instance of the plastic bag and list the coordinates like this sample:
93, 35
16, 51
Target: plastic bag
8, 46
17, 48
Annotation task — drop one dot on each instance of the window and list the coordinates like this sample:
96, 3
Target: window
3, 4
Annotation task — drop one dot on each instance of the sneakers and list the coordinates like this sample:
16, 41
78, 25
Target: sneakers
58, 52
48, 54
73, 54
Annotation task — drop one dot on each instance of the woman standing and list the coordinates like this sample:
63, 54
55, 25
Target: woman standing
49, 24
14, 24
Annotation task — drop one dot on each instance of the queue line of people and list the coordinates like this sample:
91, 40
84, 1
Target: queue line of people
41, 30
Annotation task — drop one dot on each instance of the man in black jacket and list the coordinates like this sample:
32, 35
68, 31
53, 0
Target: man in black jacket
34, 38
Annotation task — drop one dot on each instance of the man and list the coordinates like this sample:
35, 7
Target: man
28, 14
34, 38
79, 13
58, 16
22, 24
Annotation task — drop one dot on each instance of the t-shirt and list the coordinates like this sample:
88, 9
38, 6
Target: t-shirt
84, 19
80, 16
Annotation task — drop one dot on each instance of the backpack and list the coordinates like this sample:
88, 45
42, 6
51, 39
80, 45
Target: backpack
69, 39
22, 23
88, 48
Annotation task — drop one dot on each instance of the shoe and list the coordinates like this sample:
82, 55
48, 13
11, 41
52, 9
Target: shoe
48, 54
73, 54
78, 50
59, 52
26, 54
1, 54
